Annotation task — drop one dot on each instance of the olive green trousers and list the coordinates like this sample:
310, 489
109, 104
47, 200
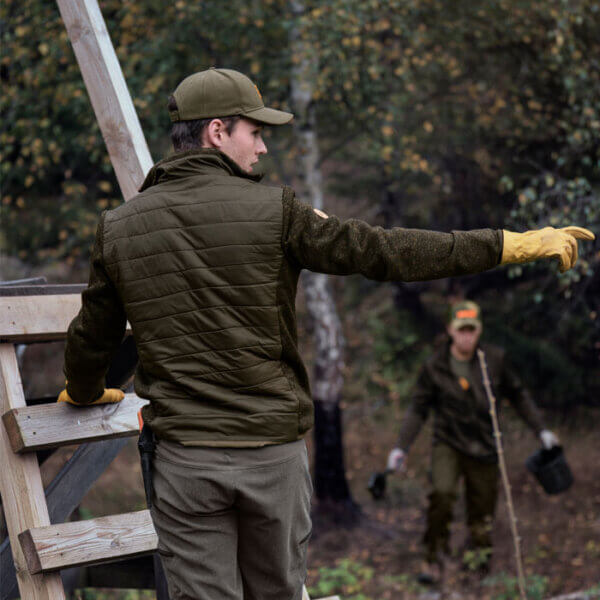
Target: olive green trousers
232, 523
481, 491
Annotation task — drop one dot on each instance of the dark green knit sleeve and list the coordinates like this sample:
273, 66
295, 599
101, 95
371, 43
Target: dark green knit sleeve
422, 399
329, 245
96, 332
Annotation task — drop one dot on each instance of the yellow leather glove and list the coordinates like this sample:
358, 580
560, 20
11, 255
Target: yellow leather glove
110, 396
544, 243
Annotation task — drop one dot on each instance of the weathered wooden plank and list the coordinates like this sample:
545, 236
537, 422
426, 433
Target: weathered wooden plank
21, 488
61, 424
63, 495
108, 93
88, 542
37, 318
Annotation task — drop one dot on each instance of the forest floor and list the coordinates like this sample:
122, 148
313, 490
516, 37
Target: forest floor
378, 559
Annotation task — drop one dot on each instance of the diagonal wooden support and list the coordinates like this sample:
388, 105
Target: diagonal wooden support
108, 93
21, 488
52, 425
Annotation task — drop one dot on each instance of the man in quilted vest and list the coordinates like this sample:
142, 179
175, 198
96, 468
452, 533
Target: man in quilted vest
204, 265
450, 386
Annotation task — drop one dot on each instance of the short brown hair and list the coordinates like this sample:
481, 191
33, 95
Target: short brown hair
187, 135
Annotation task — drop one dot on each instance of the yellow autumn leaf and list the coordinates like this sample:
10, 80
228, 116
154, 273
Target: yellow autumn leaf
386, 152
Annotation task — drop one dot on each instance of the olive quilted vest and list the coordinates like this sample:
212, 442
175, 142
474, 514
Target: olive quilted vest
197, 261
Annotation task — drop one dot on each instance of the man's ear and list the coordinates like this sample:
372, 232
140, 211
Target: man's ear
213, 134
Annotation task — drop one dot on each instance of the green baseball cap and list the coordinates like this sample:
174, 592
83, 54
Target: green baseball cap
465, 313
223, 93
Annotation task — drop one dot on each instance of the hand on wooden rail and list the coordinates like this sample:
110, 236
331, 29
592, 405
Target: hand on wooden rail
109, 396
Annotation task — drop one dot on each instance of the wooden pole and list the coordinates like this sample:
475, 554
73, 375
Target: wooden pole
108, 93
497, 436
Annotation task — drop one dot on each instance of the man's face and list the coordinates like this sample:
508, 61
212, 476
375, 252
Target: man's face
245, 144
465, 338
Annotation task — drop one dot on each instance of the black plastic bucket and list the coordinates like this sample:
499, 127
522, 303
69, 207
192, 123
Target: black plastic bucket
551, 469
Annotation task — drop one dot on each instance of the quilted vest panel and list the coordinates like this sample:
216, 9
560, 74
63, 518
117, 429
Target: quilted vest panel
196, 262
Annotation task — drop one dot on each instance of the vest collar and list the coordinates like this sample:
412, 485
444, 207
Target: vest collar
193, 162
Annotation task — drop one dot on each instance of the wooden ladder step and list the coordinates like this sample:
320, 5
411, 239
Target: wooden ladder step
89, 542
51, 425
38, 318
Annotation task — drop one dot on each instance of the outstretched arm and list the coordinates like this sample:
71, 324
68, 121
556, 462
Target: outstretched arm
329, 245
325, 244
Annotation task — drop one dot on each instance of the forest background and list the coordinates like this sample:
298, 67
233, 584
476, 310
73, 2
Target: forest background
432, 113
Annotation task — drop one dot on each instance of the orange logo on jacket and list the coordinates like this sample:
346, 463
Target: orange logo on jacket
464, 383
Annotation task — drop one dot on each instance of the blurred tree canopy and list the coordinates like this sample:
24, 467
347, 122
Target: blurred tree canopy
436, 113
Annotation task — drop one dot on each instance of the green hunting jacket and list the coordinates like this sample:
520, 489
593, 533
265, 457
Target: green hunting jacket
204, 264
462, 417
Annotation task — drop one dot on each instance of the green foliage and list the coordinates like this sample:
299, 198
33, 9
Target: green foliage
397, 351
346, 578
56, 173
594, 591
85, 513
485, 115
405, 583
476, 558
506, 587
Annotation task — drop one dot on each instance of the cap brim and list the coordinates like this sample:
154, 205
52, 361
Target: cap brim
458, 323
269, 116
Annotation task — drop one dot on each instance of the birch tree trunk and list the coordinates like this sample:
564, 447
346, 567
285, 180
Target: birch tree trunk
331, 487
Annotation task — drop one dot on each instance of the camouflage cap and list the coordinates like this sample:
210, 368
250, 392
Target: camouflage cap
465, 313
223, 93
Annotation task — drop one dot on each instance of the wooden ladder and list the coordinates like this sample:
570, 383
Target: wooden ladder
41, 549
